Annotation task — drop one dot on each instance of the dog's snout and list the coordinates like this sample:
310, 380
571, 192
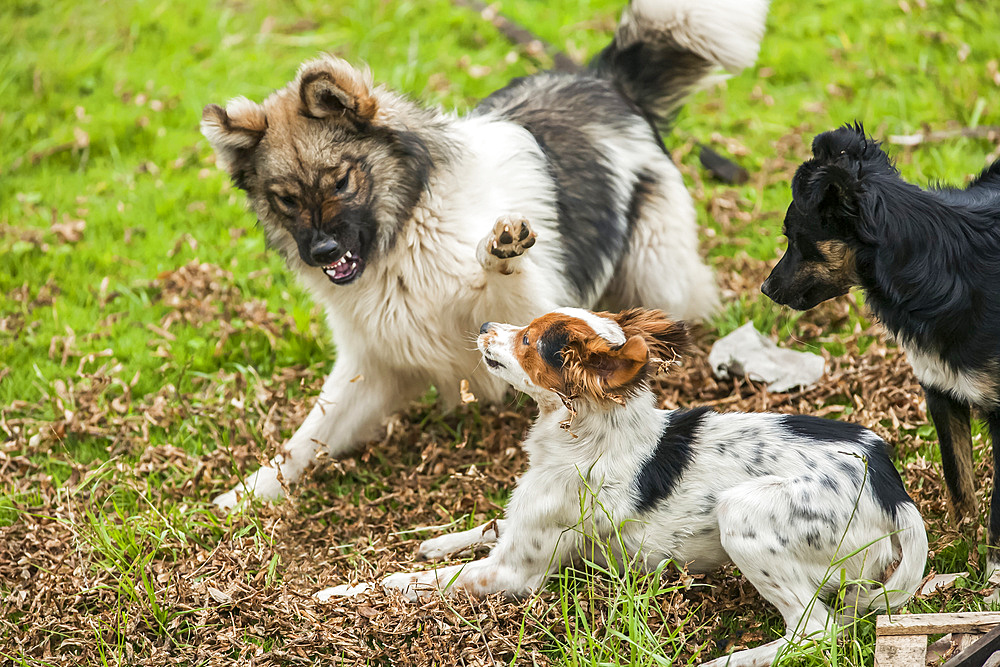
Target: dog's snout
486, 327
767, 288
325, 251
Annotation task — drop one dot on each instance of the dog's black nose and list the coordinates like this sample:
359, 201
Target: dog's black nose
765, 287
325, 251
486, 327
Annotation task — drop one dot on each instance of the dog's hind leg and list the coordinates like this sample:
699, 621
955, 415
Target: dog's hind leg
662, 267
461, 543
954, 429
772, 543
352, 404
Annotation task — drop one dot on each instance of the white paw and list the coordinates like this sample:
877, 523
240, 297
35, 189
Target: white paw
407, 583
342, 591
262, 484
443, 546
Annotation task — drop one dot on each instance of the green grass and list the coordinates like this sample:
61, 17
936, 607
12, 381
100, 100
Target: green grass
99, 110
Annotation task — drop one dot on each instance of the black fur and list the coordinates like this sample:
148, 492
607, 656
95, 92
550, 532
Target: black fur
886, 485
673, 454
929, 263
656, 75
551, 344
826, 430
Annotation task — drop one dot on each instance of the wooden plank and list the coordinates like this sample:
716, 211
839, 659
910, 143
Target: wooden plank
962, 641
900, 651
979, 652
926, 624
941, 648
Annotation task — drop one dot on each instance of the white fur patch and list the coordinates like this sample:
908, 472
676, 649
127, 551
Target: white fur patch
607, 329
725, 32
930, 369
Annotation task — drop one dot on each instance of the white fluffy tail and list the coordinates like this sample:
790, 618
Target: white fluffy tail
663, 48
904, 580
723, 32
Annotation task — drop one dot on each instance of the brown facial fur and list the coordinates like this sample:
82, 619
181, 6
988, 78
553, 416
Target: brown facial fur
290, 152
585, 364
838, 267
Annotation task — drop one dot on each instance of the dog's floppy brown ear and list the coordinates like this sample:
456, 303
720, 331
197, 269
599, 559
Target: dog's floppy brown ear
233, 133
596, 368
618, 367
666, 339
329, 86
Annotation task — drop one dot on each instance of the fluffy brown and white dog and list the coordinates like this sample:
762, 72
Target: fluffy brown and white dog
410, 226
800, 504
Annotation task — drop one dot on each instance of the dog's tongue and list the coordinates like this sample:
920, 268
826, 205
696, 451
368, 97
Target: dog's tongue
343, 268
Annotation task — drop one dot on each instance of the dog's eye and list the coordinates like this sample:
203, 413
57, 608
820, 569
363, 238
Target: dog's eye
524, 339
342, 183
286, 201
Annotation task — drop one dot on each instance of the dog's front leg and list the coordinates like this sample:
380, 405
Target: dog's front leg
351, 406
533, 542
516, 567
501, 250
461, 543
954, 429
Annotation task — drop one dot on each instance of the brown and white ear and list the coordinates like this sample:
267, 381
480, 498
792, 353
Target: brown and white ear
665, 338
626, 363
329, 86
233, 131
602, 368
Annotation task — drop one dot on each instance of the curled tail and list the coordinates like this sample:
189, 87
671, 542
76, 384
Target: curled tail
662, 49
904, 580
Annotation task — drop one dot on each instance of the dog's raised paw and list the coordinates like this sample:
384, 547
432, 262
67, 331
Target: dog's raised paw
512, 235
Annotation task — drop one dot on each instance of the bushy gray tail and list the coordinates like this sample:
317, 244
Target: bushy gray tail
662, 49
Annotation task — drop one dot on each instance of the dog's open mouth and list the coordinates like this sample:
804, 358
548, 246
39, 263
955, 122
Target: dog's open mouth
344, 270
493, 363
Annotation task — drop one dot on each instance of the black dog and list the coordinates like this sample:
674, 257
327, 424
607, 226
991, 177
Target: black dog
929, 262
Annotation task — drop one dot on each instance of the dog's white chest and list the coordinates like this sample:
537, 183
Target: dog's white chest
975, 388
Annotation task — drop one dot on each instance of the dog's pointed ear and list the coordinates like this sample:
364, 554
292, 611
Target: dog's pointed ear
329, 86
666, 339
233, 133
610, 367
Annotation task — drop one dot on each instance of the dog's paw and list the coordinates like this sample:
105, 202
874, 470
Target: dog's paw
443, 546
262, 484
410, 584
511, 236
341, 591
